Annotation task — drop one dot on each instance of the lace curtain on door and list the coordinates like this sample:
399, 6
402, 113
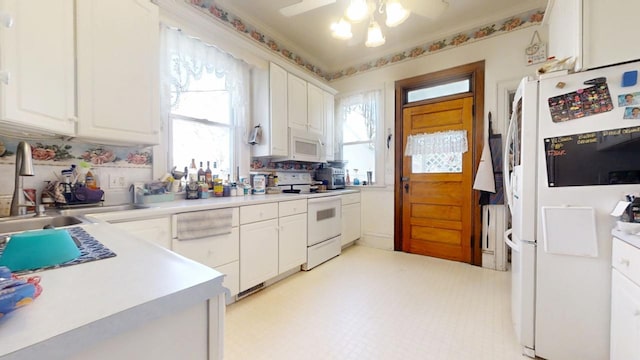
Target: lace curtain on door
439, 152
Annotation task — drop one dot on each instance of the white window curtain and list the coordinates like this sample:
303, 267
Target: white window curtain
186, 58
368, 103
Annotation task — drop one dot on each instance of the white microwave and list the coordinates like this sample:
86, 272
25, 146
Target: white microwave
305, 146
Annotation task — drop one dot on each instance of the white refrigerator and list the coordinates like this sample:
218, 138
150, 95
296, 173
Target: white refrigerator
571, 153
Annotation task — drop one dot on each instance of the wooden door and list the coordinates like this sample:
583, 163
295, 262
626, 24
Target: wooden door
437, 217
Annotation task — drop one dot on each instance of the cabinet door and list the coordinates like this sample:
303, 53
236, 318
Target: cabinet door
625, 318
37, 61
329, 126
292, 247
231, 280
315, 109
604, 23
156, 230
297, 102
118, 75
258, 252
278, 109
350, 223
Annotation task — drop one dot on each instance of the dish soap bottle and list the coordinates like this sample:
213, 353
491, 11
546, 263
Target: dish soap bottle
90, 181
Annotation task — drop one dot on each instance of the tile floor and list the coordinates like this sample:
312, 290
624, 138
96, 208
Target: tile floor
376, 304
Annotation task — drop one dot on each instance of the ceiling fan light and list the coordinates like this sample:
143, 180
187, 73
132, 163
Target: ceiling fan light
357, 10
374, 35
341, 30
396, 13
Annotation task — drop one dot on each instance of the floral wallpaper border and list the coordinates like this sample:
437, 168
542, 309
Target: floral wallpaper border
520, 21
63, 153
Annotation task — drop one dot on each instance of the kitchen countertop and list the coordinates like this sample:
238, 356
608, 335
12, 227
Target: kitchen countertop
85, 304
180, 206
631, 239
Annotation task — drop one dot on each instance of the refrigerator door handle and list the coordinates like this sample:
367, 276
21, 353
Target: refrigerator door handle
509, 242
506, 163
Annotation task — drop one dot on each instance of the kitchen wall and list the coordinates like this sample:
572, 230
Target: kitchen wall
504, 66
51, 156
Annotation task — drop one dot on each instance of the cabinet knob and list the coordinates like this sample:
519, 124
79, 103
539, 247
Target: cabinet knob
6, 20
4, 77
624, 262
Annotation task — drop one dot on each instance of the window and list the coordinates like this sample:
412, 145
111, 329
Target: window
360, 116
207, 94
434, 91
201, 125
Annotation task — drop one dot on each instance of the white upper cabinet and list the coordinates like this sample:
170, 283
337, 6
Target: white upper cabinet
297, 102
118, 71
597, 33
269, 100
329, 126
315, 109
37, 66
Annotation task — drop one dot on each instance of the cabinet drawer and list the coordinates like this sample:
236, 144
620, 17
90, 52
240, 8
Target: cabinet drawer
626, 258
286, 208
157, 230
232, 276
350, 198
255, 213
212, 251
235, 218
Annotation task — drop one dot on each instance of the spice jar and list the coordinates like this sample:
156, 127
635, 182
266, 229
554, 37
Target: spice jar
218, 189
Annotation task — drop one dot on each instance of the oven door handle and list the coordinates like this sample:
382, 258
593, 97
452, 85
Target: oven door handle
324, 199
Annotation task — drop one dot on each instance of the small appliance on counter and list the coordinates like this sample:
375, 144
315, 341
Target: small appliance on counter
294, 181
332, 177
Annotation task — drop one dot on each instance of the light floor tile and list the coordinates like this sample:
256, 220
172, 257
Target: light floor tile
376, 304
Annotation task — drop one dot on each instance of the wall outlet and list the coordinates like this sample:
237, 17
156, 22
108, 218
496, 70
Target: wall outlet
117, 182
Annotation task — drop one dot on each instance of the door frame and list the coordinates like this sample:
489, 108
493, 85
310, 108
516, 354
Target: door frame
474, 71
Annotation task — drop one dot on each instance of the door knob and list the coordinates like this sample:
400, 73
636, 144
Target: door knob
406, 188
6, 20
4, 77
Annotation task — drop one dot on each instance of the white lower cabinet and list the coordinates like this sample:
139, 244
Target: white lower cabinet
351, 218
292, 239
157, 230
221, 252
258, 252
625, 302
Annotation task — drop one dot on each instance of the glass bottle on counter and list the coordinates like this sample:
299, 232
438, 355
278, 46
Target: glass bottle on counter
201, 177
348, 179
192, 172
208, 178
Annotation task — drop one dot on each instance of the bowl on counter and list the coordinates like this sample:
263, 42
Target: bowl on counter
37, 249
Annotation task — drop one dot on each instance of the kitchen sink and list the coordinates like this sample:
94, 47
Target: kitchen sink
101, 209
9, 225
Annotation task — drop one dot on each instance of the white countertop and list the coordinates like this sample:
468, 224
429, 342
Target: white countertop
180, 206
631, 239
84, 304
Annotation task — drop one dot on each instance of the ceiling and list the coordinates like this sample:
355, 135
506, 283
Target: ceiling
308, 33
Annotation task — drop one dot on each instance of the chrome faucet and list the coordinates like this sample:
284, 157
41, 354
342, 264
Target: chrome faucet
24, 167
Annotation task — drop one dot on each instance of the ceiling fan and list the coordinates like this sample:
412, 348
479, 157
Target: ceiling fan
304, 6
428, 8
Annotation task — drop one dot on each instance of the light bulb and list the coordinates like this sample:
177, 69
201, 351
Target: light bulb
374, 35
396, 13
357, 10
341, 30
